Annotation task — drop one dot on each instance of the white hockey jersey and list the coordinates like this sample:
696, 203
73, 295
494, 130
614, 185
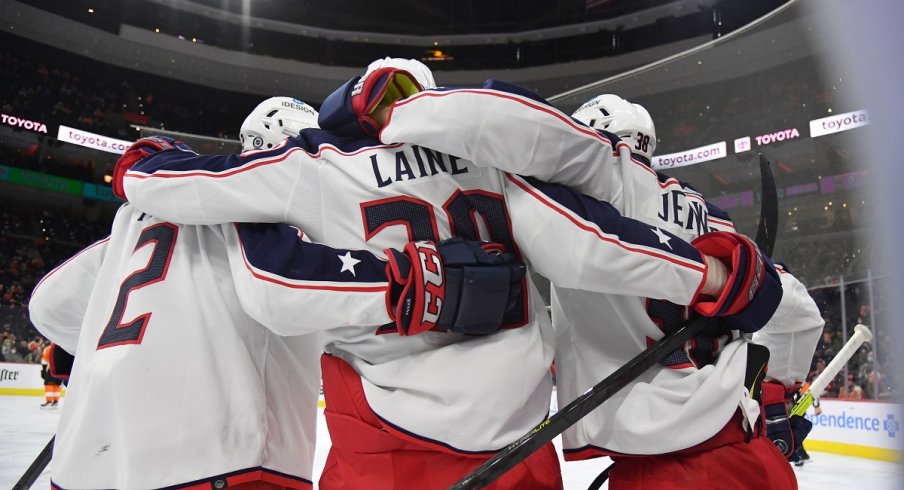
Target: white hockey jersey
180, 378
470, 394
670, 407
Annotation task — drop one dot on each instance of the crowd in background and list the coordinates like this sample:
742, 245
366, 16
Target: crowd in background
32, 242
47, 85
824, 262
870, 373
30, 158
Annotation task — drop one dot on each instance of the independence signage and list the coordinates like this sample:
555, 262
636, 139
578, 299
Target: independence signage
861, 428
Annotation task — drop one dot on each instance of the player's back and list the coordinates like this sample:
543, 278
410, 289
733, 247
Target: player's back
674, 405
173, 382
385, 196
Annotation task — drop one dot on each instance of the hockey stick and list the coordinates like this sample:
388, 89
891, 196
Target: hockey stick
765, 232
861, 334
37, 466
517, 451
34, 471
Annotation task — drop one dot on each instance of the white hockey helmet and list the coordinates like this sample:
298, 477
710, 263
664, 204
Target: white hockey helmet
421, 73
630, 122
274, 120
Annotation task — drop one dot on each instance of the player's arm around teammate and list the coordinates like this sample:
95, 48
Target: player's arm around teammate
791, 336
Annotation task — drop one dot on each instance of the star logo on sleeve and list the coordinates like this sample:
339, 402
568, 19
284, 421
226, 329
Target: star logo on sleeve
348, 263
663, 238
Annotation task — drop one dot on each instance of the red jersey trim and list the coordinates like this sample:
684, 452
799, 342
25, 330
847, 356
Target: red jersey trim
596, 231
237, 477
580, 128
250, 165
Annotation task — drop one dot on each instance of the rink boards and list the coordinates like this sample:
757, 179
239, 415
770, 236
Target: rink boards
868, 429
21, 379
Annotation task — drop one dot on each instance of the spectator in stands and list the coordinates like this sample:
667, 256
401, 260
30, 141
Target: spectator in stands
873, 385
13, 353
851, 390
830, 342
8, 344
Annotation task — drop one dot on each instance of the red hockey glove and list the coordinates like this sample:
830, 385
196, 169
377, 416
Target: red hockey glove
787, 433
752, 289
349, 110
456, 285
139, 150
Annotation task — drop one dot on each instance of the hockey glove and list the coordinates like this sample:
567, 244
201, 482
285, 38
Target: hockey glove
139, 150
349, 110
456, 285
787, 433
60, 365
752, 289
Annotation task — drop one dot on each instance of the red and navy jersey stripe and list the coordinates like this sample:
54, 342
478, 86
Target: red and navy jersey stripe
718, 216
278, 249
627, 231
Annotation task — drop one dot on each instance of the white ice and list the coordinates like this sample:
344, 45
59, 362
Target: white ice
25, 429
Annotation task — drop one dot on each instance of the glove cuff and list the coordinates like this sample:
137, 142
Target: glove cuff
60, 362
773, 392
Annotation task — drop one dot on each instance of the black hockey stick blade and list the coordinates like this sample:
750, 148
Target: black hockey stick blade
765, 233
34, 471
547, 430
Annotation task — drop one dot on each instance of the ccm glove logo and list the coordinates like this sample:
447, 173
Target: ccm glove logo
417, 287
433, 281
455, 285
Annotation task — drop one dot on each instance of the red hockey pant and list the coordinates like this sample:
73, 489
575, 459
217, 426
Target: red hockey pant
365, 453
724, 461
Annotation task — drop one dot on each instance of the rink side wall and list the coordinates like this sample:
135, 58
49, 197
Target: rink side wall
868, 429
25, 380
21, 379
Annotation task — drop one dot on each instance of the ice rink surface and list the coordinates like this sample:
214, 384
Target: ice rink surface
25, 429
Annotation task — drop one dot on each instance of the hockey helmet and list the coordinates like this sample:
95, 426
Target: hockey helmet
630, 122
421, 73
274, 120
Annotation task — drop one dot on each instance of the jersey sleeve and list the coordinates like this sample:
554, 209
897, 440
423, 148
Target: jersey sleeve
718, 220
293, 286
581, 243
59, 300
792, 333
511, 132
183, 187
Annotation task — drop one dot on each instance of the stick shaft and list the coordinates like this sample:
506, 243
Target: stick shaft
34, 471
861, 335
579, 407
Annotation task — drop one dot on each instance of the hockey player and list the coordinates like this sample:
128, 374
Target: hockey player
420, 412
190, 368
697, 402
52, 385
274, 120
418, 70
791, 336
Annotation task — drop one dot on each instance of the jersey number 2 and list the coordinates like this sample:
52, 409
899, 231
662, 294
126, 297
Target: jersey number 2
163, 239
